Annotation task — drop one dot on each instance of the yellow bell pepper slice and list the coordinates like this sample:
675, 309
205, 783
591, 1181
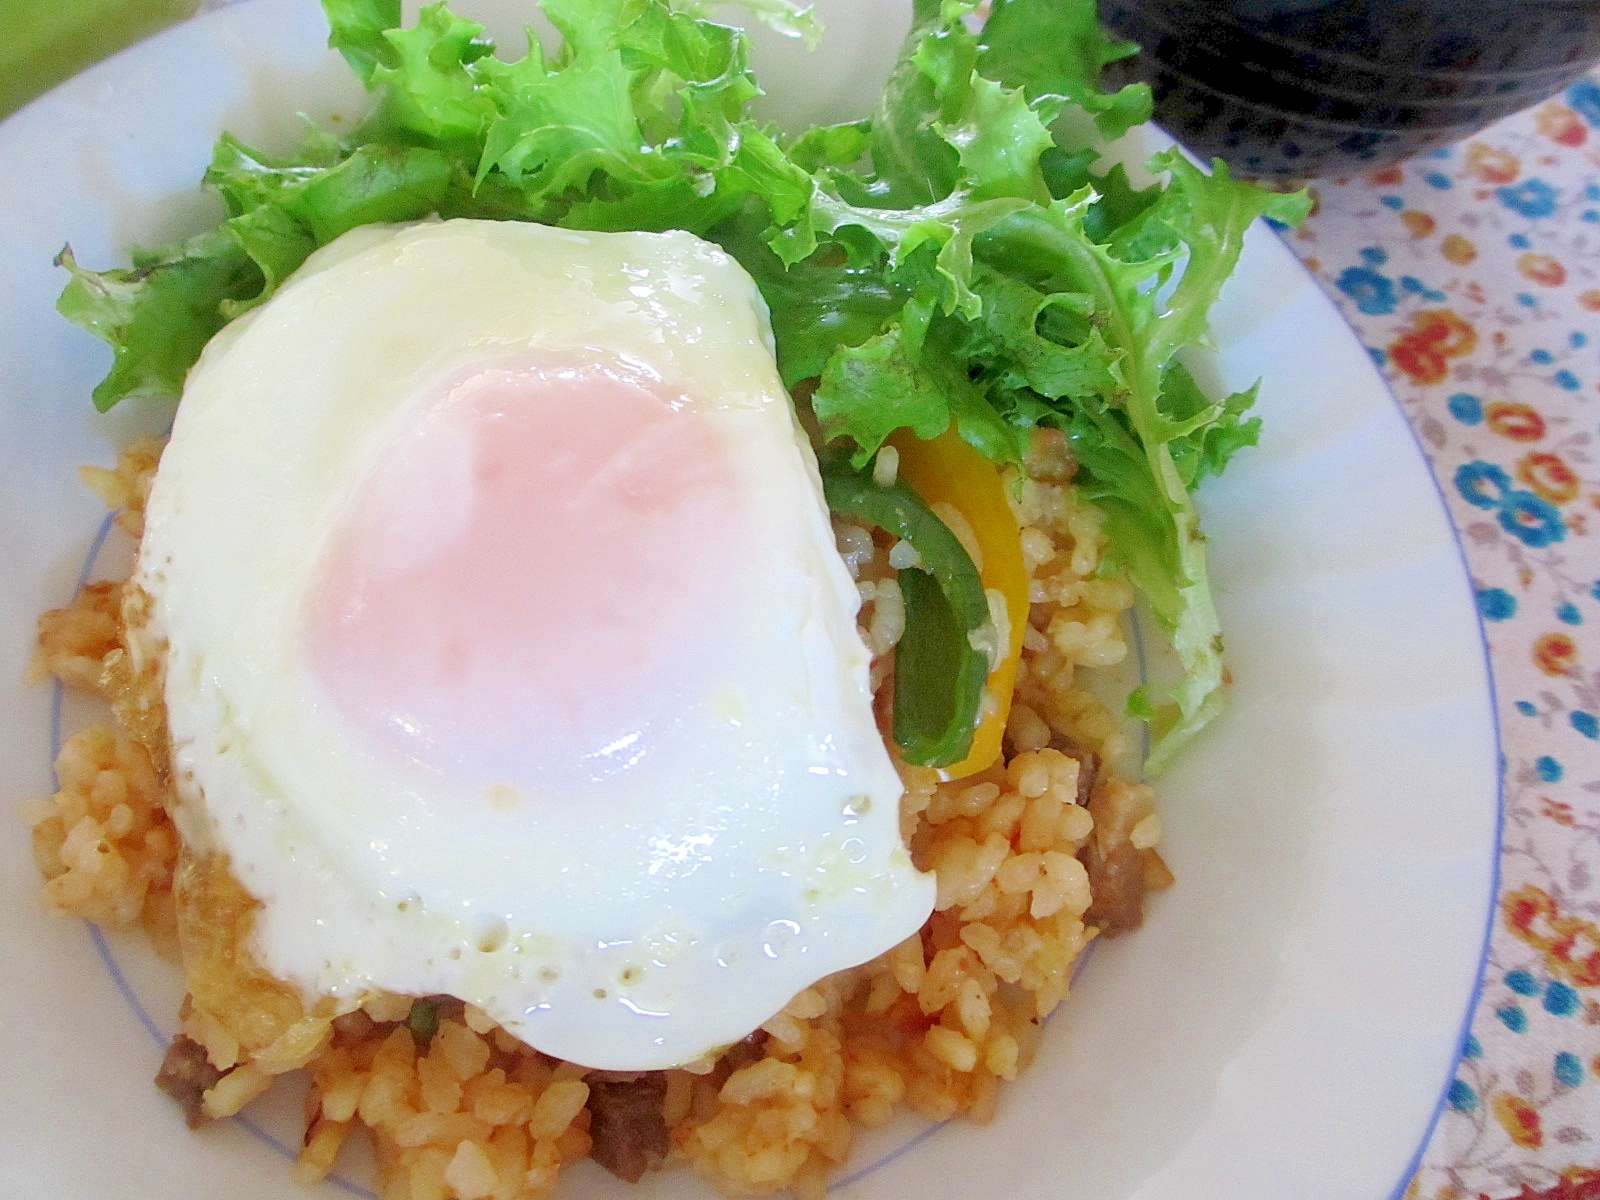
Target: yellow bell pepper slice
947, 471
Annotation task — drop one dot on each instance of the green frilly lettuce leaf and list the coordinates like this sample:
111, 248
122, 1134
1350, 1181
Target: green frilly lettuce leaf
957, 257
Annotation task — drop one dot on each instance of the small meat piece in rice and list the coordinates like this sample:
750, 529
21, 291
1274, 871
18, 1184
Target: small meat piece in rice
1116, 880
628, 1124
744, 1052
186, 1075
1088, 768
1123, 812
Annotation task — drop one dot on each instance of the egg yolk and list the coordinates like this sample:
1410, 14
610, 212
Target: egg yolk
527, 577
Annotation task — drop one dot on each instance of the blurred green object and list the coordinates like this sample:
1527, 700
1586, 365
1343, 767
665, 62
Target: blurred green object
44, 41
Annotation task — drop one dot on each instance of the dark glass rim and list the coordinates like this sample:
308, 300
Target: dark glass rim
1251, 77
1153, 16
1480, 115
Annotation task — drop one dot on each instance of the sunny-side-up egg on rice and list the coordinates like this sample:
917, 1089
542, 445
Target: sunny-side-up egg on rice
508, 653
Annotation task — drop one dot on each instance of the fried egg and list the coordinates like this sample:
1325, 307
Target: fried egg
508, 652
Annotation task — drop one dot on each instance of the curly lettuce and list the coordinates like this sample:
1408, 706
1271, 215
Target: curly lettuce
955, 258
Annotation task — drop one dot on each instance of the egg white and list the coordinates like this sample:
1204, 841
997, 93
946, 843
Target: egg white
633, 917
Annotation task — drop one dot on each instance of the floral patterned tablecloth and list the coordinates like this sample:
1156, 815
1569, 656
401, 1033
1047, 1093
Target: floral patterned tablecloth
1473, 277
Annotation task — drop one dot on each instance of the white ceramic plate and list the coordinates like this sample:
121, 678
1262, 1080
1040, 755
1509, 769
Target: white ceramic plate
1287, 1020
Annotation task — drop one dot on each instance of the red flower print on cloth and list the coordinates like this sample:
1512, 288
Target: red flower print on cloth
1577, 1183
1542, 269
1519, 1119
1519, 422
1570, 944
1435, 336
1491, 164
1550, 477
1555, 653
1561, 125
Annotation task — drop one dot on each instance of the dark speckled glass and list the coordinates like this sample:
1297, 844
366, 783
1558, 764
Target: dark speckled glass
1301, 88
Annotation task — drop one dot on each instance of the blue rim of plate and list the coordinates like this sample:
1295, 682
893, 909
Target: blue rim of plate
1493, 901
1493, 906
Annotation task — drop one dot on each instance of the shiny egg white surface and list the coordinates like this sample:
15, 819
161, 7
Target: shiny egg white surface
508, 652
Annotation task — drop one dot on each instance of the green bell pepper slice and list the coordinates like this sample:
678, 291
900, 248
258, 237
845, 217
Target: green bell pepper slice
939, 671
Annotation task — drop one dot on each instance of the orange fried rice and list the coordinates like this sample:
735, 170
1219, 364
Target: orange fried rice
1034, 857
